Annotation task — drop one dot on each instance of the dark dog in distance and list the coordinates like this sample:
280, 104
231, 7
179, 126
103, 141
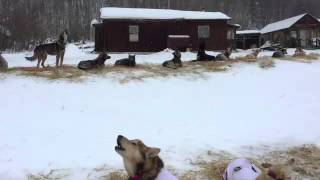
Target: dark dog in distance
94, 64
128, 62
280, 53
202, 55
175, 63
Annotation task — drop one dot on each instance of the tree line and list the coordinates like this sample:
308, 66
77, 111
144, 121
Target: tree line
36, 20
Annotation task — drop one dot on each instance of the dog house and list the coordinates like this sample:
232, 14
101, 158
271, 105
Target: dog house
150, 30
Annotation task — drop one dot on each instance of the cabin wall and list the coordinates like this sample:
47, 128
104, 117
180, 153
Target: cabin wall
153, 35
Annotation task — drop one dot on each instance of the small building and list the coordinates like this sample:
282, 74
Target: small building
231, 35
247, 39
150, 30
299, 31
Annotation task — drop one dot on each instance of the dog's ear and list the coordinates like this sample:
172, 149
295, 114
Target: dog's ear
153, 152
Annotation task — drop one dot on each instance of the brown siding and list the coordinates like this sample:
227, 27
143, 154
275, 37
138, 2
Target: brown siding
153, 35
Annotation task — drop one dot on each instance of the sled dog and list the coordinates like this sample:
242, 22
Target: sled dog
55, 49
140, 161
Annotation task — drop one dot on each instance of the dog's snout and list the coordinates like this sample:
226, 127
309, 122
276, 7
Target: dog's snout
119, 138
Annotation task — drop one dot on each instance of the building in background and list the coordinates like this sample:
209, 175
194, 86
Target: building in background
150, 30
299, 31
247, 39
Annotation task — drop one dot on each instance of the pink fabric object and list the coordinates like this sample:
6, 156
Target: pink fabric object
166, 175
241, 169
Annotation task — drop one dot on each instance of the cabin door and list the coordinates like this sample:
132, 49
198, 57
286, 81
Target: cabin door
305, 36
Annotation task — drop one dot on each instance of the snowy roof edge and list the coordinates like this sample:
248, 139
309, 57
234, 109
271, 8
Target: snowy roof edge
158, 14
248, 32
283, 24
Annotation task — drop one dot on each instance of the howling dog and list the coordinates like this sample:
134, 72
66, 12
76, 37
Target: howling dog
55, 49
140, 161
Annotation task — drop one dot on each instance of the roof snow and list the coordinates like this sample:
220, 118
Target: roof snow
248, 32
280, 25
139, 13
94, 21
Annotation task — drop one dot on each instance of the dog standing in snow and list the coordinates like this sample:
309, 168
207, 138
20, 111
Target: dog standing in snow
140, 161
3, 62
57, 49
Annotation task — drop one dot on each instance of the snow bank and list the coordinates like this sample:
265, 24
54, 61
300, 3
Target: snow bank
140, 13
65, 125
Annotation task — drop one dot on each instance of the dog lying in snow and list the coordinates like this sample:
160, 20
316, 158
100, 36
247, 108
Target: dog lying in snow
93, 64
3, 62
253, 55
243, 169
129, 62
280, 53
202, 55
175, 63
140, 161
225, 55
299, 52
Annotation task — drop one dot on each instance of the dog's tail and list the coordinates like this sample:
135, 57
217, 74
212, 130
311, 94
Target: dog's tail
33, 58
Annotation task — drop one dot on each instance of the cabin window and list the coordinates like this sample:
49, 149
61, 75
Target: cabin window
294, 34
133, 33
203, 31
230, 35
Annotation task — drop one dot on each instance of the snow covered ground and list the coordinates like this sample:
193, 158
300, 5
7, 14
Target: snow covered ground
73, 126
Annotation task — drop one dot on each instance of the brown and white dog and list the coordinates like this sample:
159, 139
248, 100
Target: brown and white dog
140, 161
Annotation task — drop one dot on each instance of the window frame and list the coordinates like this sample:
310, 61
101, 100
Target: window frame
134, 33
204, 31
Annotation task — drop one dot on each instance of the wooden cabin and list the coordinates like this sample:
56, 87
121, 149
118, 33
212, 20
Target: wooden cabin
247, 39
151, 30
299, 31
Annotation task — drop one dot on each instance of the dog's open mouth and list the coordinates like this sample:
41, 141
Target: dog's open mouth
119, 146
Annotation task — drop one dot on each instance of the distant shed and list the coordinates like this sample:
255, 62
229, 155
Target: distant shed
248, 39
302, 30
149, 30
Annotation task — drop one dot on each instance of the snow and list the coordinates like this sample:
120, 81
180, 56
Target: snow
140, 13
72, 126
248, 32
179, 36
280, 25
94, 22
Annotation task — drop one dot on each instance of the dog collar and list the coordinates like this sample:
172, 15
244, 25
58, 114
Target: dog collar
136, 177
